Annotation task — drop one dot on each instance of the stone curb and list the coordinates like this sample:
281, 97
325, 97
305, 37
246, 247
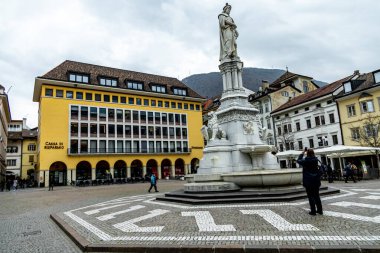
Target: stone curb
79, 240
86, 246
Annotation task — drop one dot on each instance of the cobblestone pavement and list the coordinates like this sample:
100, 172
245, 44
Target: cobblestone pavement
25, 225
126, 214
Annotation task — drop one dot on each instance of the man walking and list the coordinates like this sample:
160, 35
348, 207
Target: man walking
51, 183
153, 183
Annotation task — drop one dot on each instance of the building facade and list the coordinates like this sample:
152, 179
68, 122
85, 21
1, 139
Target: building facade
29, 153
5, 116
272, 96
98, 123
310, 120
359, 109
359, 100
14, 148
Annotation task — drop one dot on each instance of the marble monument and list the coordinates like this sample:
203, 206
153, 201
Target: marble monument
236, 155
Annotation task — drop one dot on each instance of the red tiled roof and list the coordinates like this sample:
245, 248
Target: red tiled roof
313, 94
61, 73
286, 76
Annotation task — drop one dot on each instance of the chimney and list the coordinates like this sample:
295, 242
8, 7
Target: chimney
24, 126
264, 84
356, 72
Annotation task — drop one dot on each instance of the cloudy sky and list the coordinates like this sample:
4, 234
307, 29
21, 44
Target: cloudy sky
320, 38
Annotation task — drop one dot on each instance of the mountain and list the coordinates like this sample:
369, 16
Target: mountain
210, 84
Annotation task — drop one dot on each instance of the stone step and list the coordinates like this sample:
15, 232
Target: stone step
243, 198
236, 194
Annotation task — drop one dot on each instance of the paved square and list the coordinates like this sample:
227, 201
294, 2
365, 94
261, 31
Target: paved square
107, 216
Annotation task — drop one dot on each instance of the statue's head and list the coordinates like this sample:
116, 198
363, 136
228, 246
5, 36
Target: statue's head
227, 8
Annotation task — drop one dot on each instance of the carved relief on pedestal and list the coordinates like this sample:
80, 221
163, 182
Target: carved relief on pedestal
236, 115
248, 127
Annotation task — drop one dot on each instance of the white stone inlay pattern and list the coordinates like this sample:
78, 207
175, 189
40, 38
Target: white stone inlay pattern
347, 204
206, 222
112, 215
249, 238
278, 222
129, 226
99, 233
375, 219
117, 204
373, 197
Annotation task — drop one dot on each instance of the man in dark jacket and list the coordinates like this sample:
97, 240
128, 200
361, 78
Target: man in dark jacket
311, 180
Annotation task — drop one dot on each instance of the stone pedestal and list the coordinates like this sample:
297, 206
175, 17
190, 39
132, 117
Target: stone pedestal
236, 156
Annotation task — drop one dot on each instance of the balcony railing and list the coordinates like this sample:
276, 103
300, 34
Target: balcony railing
116, 151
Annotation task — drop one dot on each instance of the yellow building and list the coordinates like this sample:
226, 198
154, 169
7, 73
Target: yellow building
98, 123
359, 100
29, 153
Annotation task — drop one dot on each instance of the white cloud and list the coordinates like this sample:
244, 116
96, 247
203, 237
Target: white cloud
324, 39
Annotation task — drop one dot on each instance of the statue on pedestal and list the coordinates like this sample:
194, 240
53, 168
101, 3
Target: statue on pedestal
228, 35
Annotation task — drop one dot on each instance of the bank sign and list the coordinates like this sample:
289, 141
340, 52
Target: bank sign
54, 145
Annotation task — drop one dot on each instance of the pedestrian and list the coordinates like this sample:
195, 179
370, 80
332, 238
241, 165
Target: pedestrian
51, 183
349, 173
15, 183
311, 179
354, 171
330, 174
153, 183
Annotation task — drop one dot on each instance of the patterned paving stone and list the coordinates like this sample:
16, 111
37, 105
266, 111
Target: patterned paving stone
123, 215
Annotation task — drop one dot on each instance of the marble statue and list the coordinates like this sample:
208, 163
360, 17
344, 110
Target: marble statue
228, 34
213, 125
204, 131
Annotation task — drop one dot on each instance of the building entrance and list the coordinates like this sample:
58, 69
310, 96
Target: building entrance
58, 173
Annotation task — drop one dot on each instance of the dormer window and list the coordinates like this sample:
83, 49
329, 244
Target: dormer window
285, 94
134, 85
305, 87
159, 88
79, 78
377, 76
179, 91
107, 81
347, 87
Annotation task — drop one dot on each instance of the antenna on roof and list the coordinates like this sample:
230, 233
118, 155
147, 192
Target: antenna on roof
9, 89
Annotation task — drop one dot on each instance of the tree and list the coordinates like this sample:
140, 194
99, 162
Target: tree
368, 135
